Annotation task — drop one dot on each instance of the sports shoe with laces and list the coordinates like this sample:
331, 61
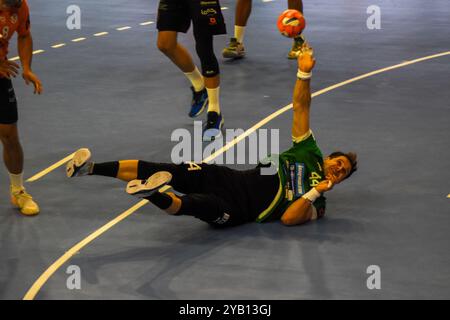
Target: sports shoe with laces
213, 127
199, 102
235, 50
24, 202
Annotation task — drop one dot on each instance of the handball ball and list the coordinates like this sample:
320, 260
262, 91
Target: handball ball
291, 23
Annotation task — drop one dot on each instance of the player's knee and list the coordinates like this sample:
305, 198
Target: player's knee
8, 136
166, 45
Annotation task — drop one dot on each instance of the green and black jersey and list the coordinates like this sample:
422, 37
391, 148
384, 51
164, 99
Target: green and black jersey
300, 169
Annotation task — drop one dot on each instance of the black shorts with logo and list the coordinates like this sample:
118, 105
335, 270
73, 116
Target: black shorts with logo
176, 15
8, 102
243, 195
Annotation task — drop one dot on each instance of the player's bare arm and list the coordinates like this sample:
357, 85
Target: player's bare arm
25, 48
302, 94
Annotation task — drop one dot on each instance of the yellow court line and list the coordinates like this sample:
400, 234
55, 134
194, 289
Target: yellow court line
74, 250
51, 168
38, 284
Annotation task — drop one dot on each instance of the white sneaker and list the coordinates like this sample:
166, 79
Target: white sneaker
145, 188
24, 201
74, 167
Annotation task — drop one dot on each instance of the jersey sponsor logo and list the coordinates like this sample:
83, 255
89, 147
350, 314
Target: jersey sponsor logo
2, 19
208, 3
212, 21
208, 12
300, 174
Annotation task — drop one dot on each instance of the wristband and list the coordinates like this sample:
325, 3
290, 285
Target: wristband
304, 75
312, 195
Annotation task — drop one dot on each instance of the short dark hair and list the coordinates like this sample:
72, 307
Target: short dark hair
352, 158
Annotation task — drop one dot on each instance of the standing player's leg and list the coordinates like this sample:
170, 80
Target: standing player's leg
208, 21
298, 41
210, 69
173, 17
12, 149
236, 48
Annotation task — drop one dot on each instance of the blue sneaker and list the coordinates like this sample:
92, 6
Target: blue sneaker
213, 127
199, 102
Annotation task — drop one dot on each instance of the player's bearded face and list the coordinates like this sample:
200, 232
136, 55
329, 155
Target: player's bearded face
336, 169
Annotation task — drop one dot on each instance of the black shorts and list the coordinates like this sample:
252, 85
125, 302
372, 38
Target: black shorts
241, 194
8, 102
206, 16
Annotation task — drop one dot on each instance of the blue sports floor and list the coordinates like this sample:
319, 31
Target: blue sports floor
119, 96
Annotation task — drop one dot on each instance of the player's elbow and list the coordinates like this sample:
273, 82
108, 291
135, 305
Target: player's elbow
289, 222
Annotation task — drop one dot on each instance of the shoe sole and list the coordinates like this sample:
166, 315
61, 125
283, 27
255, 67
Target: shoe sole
233, 55
143, 189
79, 159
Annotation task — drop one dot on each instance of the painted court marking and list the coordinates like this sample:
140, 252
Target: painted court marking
39, 283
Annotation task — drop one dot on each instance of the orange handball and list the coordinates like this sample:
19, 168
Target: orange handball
291, 23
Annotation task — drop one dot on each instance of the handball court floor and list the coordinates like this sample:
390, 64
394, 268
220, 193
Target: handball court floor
119, 96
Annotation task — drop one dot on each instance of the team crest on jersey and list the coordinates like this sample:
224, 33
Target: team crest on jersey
14, 18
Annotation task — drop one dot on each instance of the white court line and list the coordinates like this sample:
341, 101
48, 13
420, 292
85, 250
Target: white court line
146, 23
39, 283
101, 34
38, 51
123, 28
59, 45
78, 39
14, 58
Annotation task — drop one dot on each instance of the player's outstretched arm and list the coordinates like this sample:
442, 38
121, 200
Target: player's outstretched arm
302, 93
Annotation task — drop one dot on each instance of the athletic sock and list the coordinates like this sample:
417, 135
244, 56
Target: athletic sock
239, 33
213, 96
161, 200
16, 181
107, 169
196, 79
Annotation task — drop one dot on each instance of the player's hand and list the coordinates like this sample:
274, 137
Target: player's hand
324, 186
8, 69
306, 60
29, 76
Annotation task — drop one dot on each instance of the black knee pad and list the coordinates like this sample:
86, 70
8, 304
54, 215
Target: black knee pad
205, 50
